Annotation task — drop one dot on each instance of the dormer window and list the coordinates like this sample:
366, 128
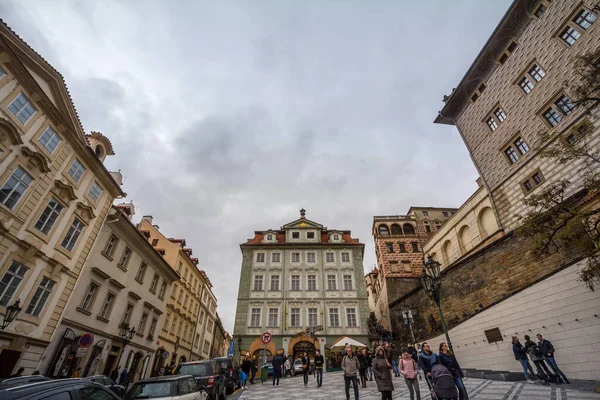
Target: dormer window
99, 151
269, 237
295, 235
310, 235
336, 237
507, 52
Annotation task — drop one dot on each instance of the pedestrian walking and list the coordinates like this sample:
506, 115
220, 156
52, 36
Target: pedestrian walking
114, 375
123, 377
383, 374
548, 351
448, 359
427, 359
246, 367
370, 364
287, 368
305, 368
537, 357
319, 362
350, 367
362, 367
521, 356
253, 368
277, 363
409, 369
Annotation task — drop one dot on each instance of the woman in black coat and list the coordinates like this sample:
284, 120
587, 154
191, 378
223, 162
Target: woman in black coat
449, 361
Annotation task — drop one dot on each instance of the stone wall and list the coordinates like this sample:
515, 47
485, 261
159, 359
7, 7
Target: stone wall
559, 307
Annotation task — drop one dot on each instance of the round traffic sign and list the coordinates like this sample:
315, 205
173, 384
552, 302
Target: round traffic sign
266, 337
85, 340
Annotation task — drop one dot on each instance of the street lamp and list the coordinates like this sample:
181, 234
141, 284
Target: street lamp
431, 280
11, 314
407, 317
126, 335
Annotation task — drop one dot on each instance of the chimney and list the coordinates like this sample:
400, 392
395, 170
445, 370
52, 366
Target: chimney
147, 218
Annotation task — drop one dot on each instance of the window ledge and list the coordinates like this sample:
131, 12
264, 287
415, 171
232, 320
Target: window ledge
139, 281
153, 291
139, 334
107, 256
99, 318
81, 310
121, 266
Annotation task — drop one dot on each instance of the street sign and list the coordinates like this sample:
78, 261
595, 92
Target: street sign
80, 352
231, 350
266, 337
85, 340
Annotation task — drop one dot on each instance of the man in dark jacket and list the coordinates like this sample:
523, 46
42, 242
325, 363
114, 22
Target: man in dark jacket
427, 359
277, 363
548, 351
521, 357
319, 362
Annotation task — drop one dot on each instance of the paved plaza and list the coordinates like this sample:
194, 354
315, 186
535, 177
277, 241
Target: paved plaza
480, 389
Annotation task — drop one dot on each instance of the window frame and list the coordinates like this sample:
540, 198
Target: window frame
258, 283
351, 312
531, 183
293, 280
16, 114
273, 317
19, 266
49, 211
75, 168
572, 29
334, 322
507, 52
311, 282
350, 287
332, 283
41, 295
107, 310
111, 246
89, 298
557, 112
295, 312
20, 181
275, 279
51, 143
75, 230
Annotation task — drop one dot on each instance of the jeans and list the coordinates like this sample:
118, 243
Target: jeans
526, 366
276, 373
462, 391
413, 386
395, 367
354, 380
370, 372
305, 375
552, 362
319, 374
387, 395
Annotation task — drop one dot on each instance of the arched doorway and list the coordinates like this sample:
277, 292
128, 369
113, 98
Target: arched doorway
303, 346
144, 367
91, 367
159, 360
135, 363
261, 357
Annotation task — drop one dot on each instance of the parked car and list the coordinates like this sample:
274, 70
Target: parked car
231, 370
20, 380
297, 367
105, 381
209, 376
169, 387
77, 388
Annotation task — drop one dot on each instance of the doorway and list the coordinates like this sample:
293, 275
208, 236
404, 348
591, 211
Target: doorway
8, 361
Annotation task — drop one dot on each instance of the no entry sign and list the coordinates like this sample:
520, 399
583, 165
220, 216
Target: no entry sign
266, 337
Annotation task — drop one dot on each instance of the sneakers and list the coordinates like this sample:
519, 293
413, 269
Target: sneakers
529, 381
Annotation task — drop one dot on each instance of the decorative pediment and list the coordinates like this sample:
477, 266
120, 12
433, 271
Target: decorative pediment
303, 223
64, 191
36, 160
8, 133
134, 295
85, 211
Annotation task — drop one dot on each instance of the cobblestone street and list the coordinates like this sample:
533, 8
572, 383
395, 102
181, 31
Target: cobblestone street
333, 389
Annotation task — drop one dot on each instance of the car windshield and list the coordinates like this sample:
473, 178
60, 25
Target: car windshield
199, 369
149, 390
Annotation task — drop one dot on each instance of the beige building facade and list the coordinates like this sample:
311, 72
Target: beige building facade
54, 196
125, 282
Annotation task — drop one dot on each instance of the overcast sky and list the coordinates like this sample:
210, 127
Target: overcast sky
228, 117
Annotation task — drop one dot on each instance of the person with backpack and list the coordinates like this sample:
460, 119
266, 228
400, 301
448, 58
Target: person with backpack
305, 368
521, 357
409, 370
537, 357
443, 383
548, 351
350, 367
448, 359
383, 374
415, 356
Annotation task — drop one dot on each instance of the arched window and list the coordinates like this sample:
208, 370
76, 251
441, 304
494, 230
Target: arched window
409, 229
99, 151
384, 230
396, 229
487, 222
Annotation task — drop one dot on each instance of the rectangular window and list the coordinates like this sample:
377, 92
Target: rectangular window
311, 257
402, 247
141, 272
521, 146
329, 257
537, 178
152, 328
111, 245
154, 282
539, 11
276, 257
89, 296
39, 299
310, 235
180, 297
76, 170
10, 282
537, 73
491, 123
14, 187
564, 105
526, 85
445, 213
345, 257
142, 324
49, 139
127, 315
389, 247
348, 282
512, 155
295, 282
585, 19
569, 35
255, 318
154, 242
260, 257
295, 317
75, 230
296, 257
125, 258
334, 317
295, 235
313, 319
275, 282
351, 315
273, 317
258, 282
427, 227
49, 216
173, 326
331, 282
95, 191
415, 247
22, 108
311, 281
500, 114
107, 306
533, 181
2, 73
571, 138
507, 52
552, 116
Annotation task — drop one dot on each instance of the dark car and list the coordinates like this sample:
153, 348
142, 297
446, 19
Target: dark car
231, 370
77, 388
21, 380
209, 376
170, 387
105, 381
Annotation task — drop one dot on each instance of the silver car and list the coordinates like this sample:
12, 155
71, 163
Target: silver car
170, 387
